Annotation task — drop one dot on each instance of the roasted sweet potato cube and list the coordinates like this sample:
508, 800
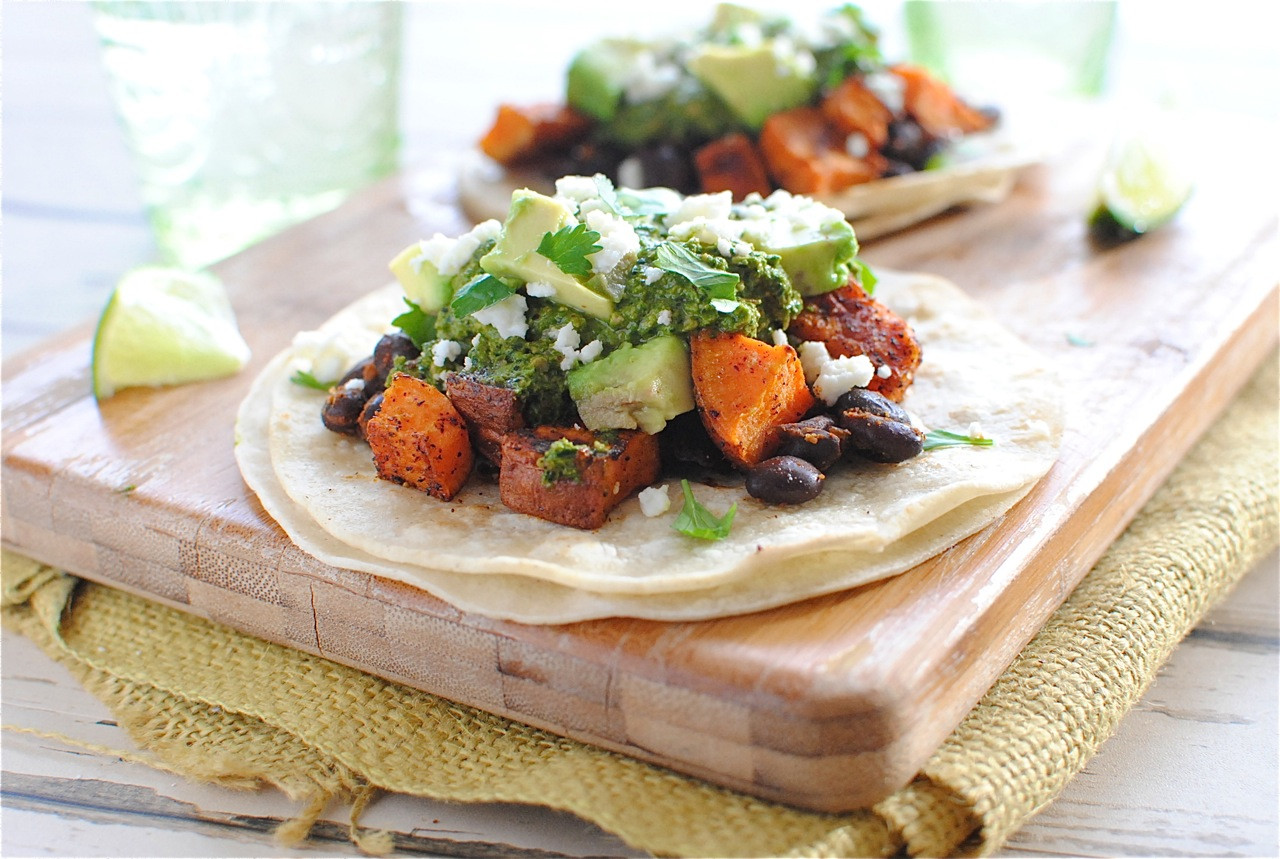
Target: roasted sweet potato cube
490, 412
933, 104
573, 476
851, 322
732, 163
745, 389
419, 439
520, 132
805, 154
853, 107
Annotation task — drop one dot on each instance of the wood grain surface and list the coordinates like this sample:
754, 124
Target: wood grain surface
830, 703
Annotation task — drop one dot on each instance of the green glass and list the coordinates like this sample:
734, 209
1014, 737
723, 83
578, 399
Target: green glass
246, 117
1002, 49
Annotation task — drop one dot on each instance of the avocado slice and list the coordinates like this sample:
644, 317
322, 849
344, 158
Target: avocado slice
423, 285
515, 255
598, 76
635, 386
817, 260
753, 80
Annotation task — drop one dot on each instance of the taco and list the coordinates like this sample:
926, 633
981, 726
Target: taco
753, 102
662, 551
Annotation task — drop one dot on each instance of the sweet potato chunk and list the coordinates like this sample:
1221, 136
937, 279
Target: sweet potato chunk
853, 107
419, 439
745, 390
490, 412
850, 322
733, 164
806, 155
573, 476
519, 133
933, 104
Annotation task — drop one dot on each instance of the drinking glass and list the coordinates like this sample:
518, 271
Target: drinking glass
246, 117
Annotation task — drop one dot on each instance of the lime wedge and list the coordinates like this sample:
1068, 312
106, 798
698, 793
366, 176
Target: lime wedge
1142, 187
165, 326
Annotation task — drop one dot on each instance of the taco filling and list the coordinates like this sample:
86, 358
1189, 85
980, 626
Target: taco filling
635, 402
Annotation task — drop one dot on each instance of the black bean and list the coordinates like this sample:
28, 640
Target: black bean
341, 411
880, 439
910, 143
390, 347
370, 409
784, 480
817, 441
864, 400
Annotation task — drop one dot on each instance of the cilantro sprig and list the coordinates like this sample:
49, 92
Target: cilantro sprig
418, 325
306, 380
942, 438
695, 520
479, 294
569, 247
720, 286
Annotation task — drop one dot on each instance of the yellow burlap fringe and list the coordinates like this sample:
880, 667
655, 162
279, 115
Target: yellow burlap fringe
219, 706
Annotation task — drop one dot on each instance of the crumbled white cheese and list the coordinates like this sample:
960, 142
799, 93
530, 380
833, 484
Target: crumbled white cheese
353, 385
889, 88
576, 189
654, 501
813, 355
708, 207
664, 317
590, 352
539, 289
840, 375
779, 337
857, 145
650, 78
884, 371
975, 431
567, 341
449, 255
507, 316
709, 231
327, 356
443, 351
617, 241
652, 274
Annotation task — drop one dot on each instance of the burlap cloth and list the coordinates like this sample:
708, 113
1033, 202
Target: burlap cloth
219, 706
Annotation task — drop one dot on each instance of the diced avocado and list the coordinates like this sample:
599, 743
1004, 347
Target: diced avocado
730, 16
635, 386
515, 254
816, 260
753, 81
423, 284
598, 75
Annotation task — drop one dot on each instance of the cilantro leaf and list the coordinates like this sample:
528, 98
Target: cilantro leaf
607, 194
479, 294
569, 247
866, 277
942, 438
418, 326
678, 259
306, 380
694, 520
641, 203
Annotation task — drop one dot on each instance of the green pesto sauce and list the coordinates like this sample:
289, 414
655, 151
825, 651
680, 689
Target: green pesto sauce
670, 304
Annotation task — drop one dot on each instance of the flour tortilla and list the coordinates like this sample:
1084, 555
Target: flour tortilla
985, 172
871, 521
535, 601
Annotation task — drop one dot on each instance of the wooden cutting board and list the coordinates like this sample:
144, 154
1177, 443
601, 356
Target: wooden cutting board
827, 704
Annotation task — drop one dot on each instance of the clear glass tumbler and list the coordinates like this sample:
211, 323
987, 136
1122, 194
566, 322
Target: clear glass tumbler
1014, 50
246, 117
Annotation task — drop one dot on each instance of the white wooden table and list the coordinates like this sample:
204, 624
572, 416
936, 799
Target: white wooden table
1191, 772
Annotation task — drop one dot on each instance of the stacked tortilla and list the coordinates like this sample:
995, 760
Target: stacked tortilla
870, 522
